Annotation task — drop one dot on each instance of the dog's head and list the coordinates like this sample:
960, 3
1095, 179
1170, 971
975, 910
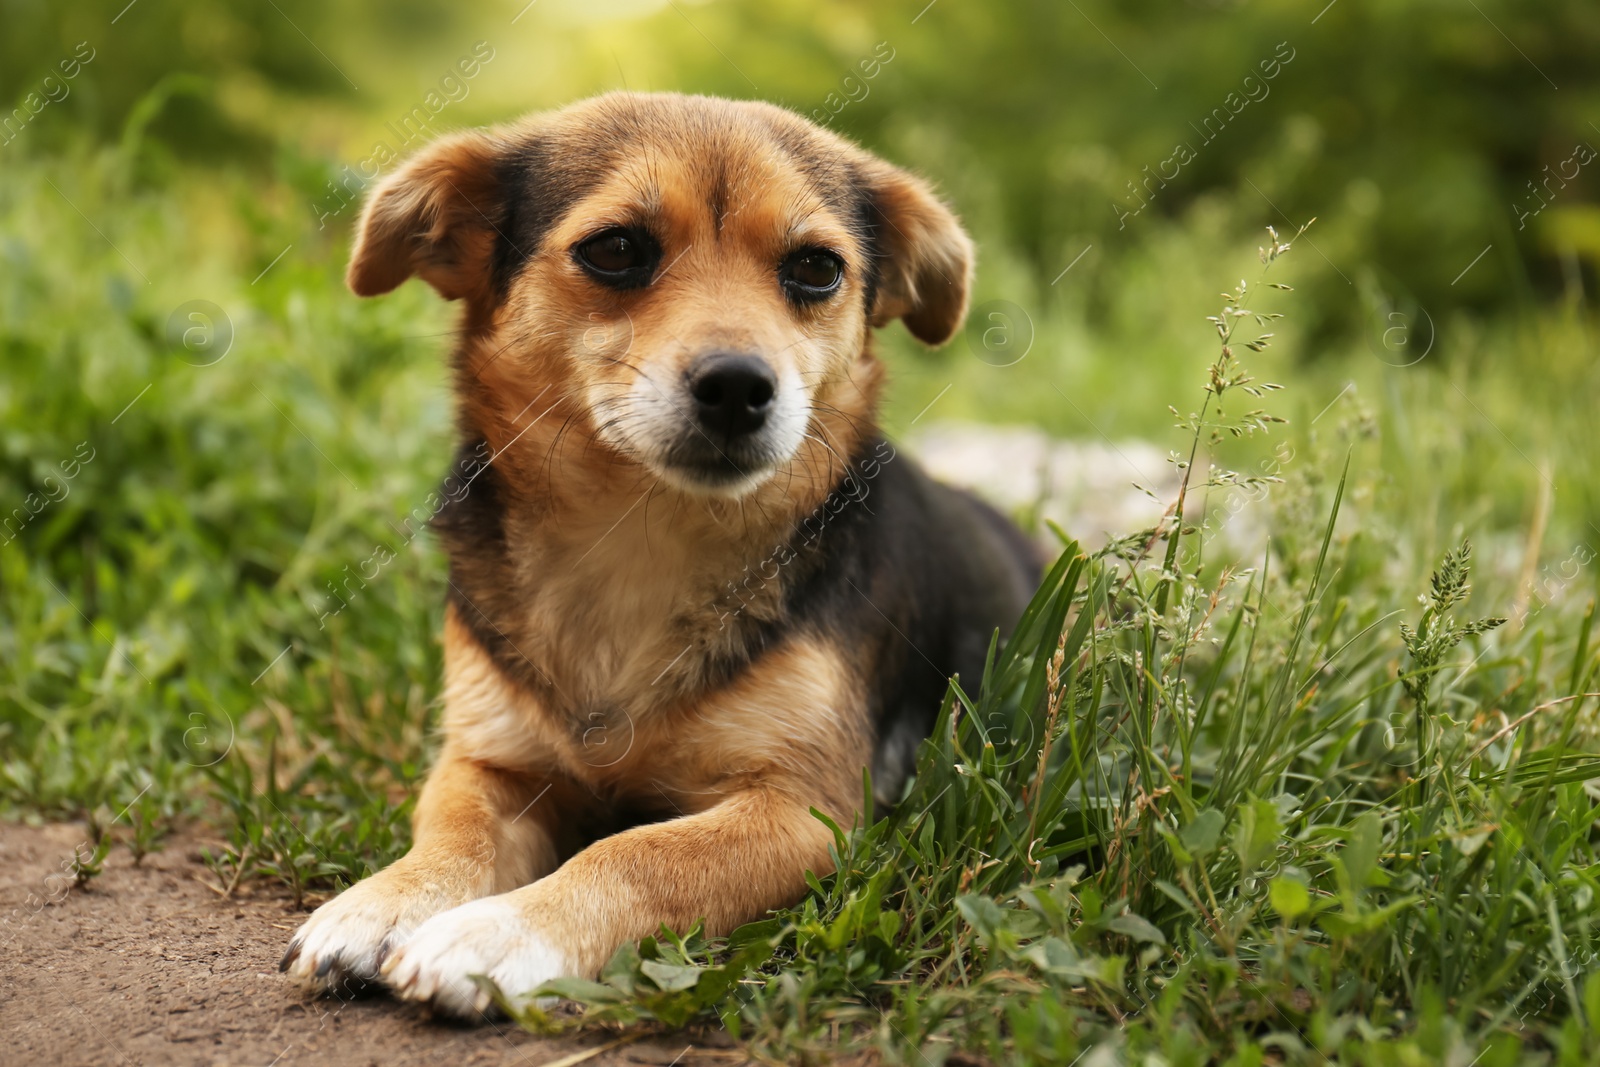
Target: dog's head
695, 277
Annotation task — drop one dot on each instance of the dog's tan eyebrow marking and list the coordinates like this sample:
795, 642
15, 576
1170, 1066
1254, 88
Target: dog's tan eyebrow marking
647, 187
806, 231
717, 199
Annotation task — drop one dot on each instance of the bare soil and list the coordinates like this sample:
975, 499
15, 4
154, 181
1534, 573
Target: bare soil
149, 965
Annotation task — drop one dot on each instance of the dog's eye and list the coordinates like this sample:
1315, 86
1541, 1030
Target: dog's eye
620, 258
812, 274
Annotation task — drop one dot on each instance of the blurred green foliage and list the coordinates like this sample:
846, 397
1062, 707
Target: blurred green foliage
1421, 132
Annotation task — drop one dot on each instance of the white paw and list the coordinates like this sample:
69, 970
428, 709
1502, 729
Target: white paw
345, 941
488, 937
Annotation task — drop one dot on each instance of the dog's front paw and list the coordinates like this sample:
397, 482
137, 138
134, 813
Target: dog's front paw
491, 937
345, 941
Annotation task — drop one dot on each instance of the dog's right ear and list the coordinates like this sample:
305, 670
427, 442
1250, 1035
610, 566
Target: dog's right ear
926, 256
435, 218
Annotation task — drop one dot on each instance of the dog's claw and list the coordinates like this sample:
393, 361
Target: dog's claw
289, 957
325, 967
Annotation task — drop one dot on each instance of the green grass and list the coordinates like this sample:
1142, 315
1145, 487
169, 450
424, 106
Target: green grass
1199, 810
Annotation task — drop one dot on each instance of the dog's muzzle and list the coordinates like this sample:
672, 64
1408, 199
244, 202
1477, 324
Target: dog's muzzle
731, 423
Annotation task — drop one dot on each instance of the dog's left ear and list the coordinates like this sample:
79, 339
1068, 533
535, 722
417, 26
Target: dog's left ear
925, 269
433, 218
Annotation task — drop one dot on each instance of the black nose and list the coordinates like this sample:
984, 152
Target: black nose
732, 394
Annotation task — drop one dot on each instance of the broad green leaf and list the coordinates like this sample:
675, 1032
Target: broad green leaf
984, 914
1360, 853
1255, 837
1201, 836
1181, 855
671, 977
751, 933
1053, 954
623, 966
1137, 927
1290, 898
581, 990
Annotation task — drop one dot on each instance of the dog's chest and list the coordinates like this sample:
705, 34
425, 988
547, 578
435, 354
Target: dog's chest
634, 706
594, 638
630, 622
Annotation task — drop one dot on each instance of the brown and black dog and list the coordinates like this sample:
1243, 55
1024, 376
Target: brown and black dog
693, 592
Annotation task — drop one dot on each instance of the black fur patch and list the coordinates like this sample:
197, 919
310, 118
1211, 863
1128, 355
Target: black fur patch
869, 223
916, 576
471, 527
537, 190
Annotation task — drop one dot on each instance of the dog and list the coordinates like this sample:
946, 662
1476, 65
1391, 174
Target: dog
693, 592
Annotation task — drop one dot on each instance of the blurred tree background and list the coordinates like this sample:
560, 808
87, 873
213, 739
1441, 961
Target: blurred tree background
1108, 157
1420, 131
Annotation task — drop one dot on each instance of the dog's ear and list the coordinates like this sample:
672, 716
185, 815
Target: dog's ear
925, 264
434, 218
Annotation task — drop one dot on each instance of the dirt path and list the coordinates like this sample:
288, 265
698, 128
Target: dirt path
148, 966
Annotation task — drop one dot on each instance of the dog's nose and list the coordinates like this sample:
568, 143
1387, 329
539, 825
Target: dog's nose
732, 393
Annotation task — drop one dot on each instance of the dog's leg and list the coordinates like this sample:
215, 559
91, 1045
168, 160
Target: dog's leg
468, 843
478, 829
728, 864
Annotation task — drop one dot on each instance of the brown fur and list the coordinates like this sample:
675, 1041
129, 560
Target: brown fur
621, 748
